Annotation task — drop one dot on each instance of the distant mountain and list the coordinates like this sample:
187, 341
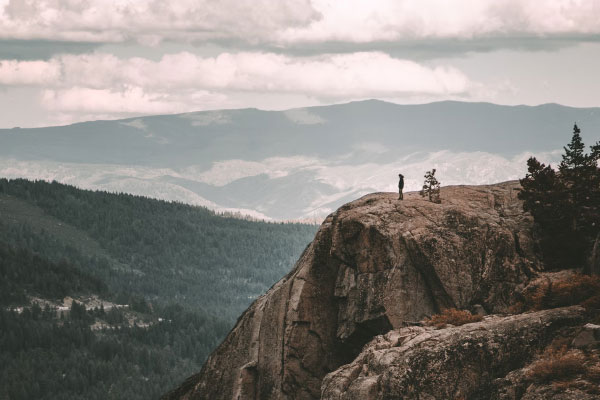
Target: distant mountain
299, 163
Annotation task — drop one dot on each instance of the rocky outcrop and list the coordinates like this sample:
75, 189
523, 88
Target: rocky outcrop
465, 362
377, 264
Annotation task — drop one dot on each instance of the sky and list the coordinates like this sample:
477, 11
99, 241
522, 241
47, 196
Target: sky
64, 61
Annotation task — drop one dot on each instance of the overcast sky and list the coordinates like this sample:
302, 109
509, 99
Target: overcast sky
63, 61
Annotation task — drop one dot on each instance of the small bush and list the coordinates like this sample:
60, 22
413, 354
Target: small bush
452, 316
558, 365
567, 369
576, 289
431, 187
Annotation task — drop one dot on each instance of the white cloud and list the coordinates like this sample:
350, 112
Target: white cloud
391, 20
287, 22
128, 100
14, 72
125, 99
149, 21
181, 82
73, 88
331, 75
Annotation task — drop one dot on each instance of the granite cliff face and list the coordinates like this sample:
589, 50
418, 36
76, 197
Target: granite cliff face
377, 264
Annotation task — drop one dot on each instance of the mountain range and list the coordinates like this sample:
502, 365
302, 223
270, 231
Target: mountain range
298, 164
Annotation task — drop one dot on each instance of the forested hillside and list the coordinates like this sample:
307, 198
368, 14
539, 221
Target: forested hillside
180, 275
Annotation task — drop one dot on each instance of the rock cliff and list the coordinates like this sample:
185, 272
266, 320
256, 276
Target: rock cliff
377, 264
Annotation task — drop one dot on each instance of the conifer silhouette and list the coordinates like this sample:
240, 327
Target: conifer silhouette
566, 204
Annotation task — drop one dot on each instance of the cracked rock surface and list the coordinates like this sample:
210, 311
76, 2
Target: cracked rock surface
376, 264
465, 362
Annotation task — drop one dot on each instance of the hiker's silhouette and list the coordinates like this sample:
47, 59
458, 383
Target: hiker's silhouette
400, 186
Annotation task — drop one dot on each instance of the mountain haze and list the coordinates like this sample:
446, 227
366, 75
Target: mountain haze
294, 164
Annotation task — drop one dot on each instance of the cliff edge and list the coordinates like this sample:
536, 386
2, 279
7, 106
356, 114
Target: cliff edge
377, 264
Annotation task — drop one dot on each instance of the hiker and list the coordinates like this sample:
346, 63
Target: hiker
400, 186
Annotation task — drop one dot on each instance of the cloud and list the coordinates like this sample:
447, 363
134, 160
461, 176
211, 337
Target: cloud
14, 72
287, 23
148, 21
127, 99
331, 75
389, 20
100, 83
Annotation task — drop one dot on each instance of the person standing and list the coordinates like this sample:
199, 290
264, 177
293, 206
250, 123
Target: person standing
400, 186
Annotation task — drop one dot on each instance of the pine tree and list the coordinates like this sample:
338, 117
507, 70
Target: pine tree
431, 187
574, 157
565, 205
579, 172
539, 188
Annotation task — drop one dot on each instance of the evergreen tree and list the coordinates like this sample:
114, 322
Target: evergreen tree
579, 171
77, 311
565, 205
431, 187
574, 158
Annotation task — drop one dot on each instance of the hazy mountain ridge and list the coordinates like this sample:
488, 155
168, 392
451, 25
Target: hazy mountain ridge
299, 163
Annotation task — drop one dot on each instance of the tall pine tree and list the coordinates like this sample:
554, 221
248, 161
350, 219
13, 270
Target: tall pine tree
574, 158
565, 205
